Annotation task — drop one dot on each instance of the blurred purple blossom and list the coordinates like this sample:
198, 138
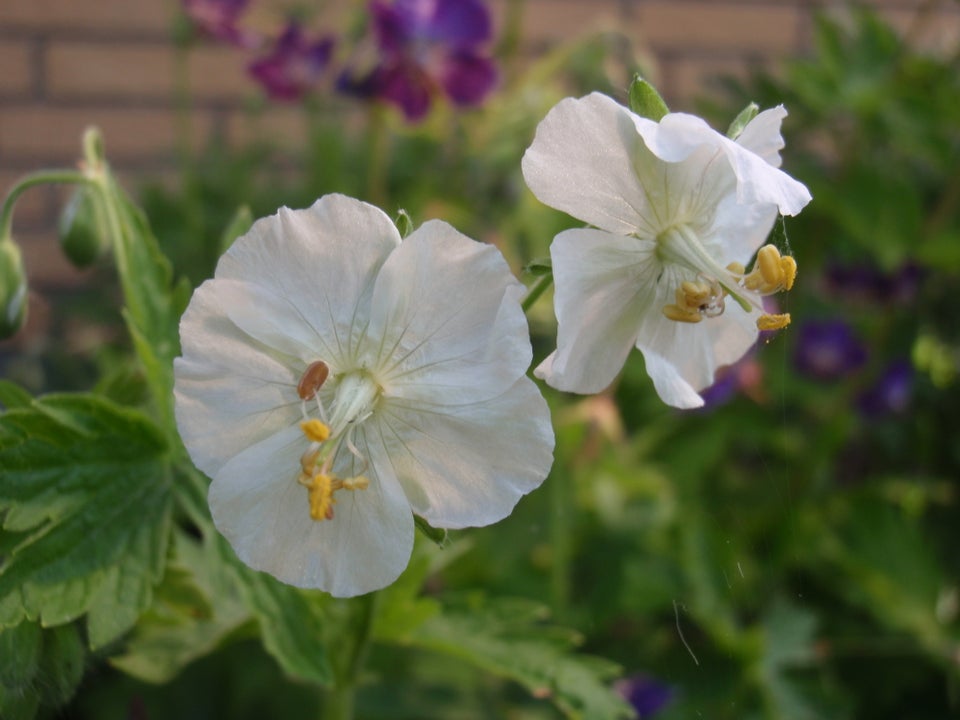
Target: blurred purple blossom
219, 19
891, 393
294, 64
646, 694
745, 375
425, 48
866, 283
828, 350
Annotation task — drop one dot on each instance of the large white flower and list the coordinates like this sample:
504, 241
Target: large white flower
676, 208
336, 380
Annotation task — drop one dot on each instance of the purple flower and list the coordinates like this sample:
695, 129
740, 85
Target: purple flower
891, 393
865, 283
294, 64
218, 19
828, 350
427, 47
645, 694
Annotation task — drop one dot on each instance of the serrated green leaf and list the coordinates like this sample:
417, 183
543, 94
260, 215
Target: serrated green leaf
86, 503
19, 655
196, 609
61, 666
509, 639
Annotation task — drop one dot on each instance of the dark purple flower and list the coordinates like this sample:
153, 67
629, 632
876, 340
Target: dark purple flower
427, 47
828, 350
865, 283
645, 694
294, 64
219, 19
891, 393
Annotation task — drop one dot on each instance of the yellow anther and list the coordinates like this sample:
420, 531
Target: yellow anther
788, 266
692, 294
360, 482
320, 493
768, 260
315, 430
682, 314
736, 268
773, 322
308, 461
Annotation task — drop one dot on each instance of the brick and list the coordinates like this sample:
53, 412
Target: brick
284, 126
99, 15
134, 71
937, 33
688, 79
547, 22
39, 134
16, 77
736, 27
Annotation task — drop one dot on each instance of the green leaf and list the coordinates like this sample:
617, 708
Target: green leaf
38, 666
645, 101
86, 513
13, 396
742, 119
540, 266
291, 625
438, 535
196, 610
509, 638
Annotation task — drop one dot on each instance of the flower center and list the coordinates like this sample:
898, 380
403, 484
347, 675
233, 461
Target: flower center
355, 398
706, 296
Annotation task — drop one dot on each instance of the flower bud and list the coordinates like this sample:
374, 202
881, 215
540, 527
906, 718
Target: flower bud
83, 233
13, 289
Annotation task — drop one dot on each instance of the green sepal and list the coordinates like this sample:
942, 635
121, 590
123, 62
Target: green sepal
742, 119
404, 223
540, 266
438, 535
645, 101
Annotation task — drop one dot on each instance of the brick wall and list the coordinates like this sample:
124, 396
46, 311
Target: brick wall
65, 64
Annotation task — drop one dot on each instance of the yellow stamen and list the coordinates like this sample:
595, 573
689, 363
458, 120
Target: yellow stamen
773, 322
360, 482
789, 268
320, 493
315, 430
679, 314
736, 268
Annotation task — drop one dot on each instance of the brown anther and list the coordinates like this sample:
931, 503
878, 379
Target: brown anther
312, 379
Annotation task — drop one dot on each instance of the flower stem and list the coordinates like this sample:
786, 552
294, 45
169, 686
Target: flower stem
41, 177
338, 701
537, 289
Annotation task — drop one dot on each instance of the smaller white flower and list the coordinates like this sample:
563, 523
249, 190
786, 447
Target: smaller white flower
336, 380
677, 209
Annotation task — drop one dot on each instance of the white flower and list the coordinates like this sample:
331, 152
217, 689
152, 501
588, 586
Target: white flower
335, 380
676, 208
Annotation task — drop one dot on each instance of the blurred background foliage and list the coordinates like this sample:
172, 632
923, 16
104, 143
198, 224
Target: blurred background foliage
788, 552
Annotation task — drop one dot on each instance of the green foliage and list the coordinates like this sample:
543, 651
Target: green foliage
645, 101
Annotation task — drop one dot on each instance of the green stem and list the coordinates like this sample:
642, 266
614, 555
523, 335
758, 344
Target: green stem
338, 702
41, 177
539, 288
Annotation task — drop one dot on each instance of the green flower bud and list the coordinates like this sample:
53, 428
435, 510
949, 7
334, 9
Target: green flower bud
13, 289
83, 233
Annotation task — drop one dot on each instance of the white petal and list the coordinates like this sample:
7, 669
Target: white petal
466, 466
581, 162
738, 230
229, 393
263, 512
682, 358
679, 135
446, 312
322, 260
603, 288
762, 135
